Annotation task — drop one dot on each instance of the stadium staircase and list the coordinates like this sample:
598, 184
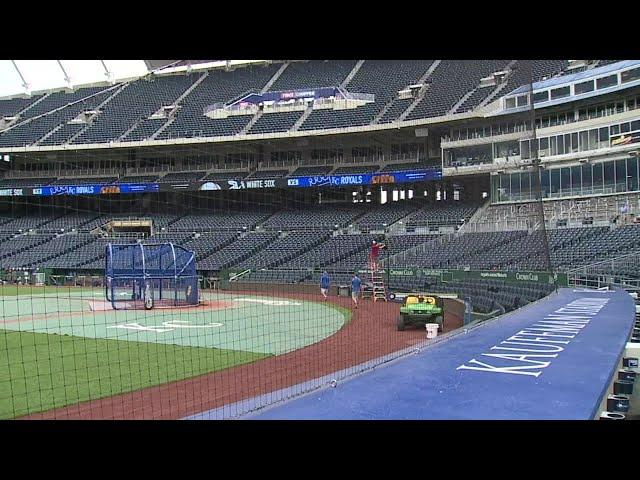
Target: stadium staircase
98, 108
49, 133
352, 73
422, 93
130, 129
252, 122
495, 94
302, 118
460, 102
184, 94
21, 113
275, 77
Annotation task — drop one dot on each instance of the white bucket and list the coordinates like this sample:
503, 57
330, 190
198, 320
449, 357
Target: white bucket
432, 330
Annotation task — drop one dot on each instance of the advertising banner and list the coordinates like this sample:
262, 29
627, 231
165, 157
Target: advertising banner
452, 275
365, 179
93, 189
386, 178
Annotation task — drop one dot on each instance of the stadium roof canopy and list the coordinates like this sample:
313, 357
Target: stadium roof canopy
20, 77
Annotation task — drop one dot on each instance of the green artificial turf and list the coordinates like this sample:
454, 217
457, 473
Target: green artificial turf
42, 371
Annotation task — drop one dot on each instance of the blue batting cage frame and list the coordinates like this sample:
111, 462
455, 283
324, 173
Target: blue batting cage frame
150, 275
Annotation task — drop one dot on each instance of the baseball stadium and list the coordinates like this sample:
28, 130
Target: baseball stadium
319, 239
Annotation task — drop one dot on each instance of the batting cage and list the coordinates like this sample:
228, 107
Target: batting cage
147, 276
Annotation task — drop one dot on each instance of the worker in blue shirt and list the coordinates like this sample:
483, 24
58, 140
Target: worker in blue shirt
356, 283
325, 282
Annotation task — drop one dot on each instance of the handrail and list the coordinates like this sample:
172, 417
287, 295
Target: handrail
233, 278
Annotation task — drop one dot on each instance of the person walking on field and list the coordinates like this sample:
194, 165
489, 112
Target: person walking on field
325, 282
375, 253
356, 283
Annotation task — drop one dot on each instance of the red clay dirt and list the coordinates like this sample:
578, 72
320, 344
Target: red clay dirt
371, 333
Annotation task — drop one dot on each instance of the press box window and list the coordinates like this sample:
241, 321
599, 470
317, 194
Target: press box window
584, 87
541, 97
630, 75
605, 82
510, 102
560, 92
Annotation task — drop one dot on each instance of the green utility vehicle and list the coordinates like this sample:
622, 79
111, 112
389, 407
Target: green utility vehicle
420, 310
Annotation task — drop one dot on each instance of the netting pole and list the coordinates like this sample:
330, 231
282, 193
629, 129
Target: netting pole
175, 275
537, 179
144, 275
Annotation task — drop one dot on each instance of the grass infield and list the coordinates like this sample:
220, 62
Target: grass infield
40, 371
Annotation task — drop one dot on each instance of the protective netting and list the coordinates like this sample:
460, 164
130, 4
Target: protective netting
259, 250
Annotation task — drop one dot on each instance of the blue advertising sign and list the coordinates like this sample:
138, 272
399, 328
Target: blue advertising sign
240, 184
95, 189
364, 179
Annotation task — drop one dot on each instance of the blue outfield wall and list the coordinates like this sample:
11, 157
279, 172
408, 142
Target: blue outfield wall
553, 359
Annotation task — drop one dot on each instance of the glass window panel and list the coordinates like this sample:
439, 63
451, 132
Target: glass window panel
560, 92
632, 173
635, 125
525, 181
515, 184
609, 176
630, 75
608, 81
541, 96
545, 183
555, 181
625, 127
565, 180
522, 100
561, 145
597, 178
603, 135
576, 179
544, 147
621, 175
587, 178
615, 129
574, 142
593, 139
495, 186
553, 146
524, 149
584, 141
584, 87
